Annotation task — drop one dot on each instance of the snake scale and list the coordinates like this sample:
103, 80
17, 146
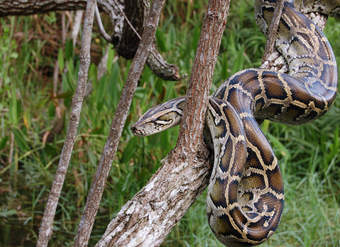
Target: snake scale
245, 194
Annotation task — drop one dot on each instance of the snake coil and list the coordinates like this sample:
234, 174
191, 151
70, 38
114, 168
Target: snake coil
245, 194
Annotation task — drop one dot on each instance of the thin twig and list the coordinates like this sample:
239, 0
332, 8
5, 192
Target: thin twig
45, 231
122, 109
63, 29
272, 31
105, 35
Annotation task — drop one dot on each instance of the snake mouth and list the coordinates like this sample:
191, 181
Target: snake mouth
136, 131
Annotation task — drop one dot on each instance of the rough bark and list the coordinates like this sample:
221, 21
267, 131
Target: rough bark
147, 218
29, 7
98, 184
46, 227
272, 31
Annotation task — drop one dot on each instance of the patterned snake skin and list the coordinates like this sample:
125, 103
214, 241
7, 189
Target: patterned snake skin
245, 194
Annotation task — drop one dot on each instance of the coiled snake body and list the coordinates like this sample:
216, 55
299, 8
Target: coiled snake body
245, 193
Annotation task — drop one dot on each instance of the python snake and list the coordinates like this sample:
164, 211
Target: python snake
245, 194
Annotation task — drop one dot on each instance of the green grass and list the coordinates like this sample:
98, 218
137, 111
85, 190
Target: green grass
309, 154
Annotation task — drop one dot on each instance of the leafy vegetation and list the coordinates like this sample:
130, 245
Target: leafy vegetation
308, 154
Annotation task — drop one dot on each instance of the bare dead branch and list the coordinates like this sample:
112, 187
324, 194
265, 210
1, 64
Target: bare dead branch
45, 231
29, 7
104, 34
148, 217
272, 31
97, 187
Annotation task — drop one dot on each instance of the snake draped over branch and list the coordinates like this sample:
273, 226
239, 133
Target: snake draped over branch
245, 194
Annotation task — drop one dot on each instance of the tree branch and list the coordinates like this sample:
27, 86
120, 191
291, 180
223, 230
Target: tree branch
272, 31
104, 34
45, 231
98, 184
148, 217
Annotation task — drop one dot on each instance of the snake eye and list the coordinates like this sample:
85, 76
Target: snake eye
163, 121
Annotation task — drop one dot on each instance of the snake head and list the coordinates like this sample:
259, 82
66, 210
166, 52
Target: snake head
159, 118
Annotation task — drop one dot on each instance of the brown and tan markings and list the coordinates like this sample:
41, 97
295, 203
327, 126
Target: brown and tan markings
245, 194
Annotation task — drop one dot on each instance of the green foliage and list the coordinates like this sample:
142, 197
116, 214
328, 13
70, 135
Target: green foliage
308, 154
